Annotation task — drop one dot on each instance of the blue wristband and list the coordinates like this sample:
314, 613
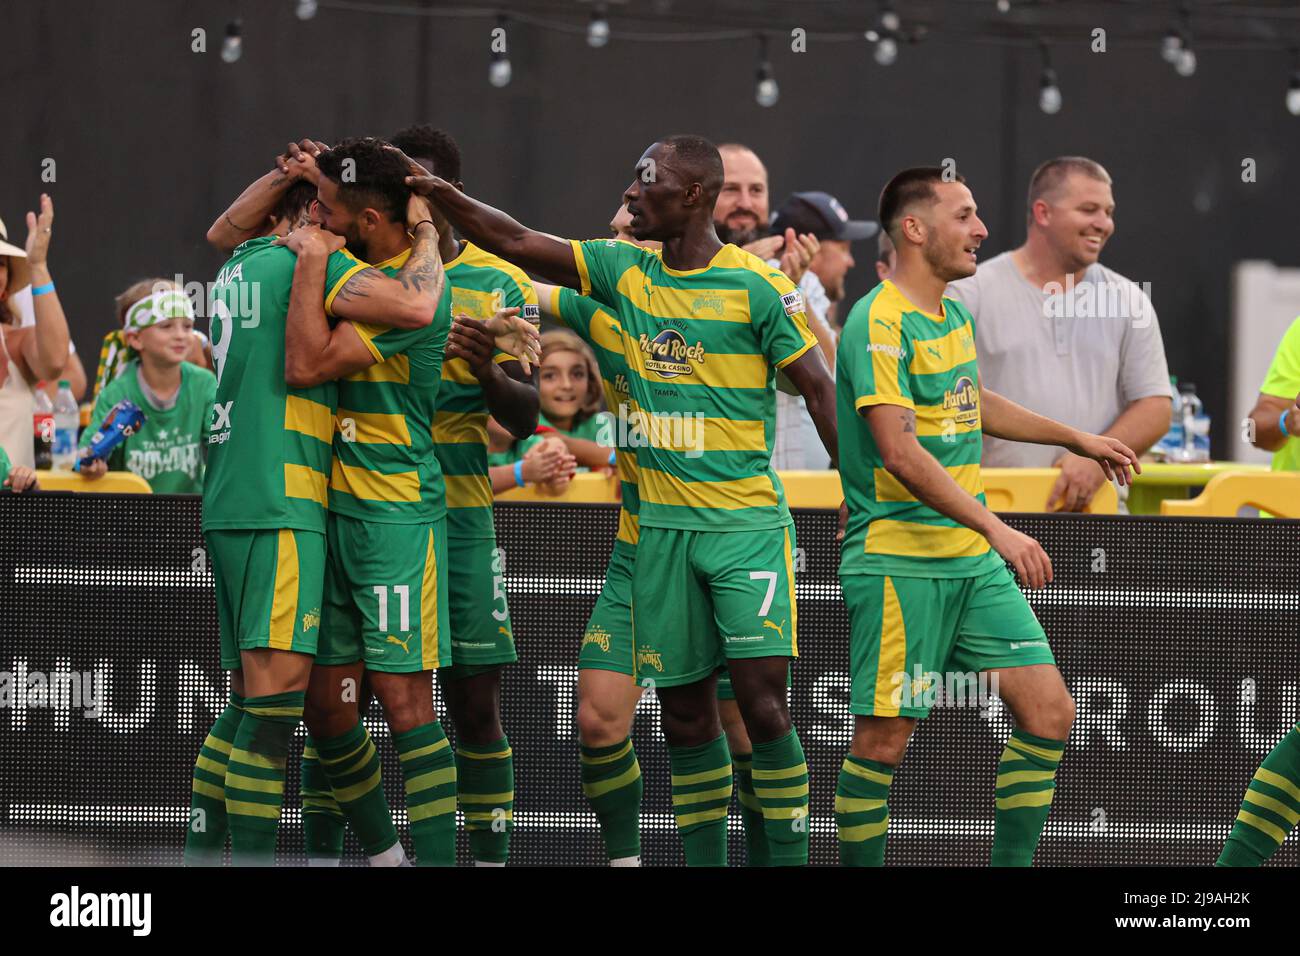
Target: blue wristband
519, 473
43, 289
1281, 423
612, 458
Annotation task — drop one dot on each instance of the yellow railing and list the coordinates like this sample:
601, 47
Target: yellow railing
1007, 489
1277, 493
113, 482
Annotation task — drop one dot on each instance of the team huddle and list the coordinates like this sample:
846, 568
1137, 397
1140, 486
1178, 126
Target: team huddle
360, 347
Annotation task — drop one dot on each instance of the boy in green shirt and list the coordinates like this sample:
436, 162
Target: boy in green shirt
176, 397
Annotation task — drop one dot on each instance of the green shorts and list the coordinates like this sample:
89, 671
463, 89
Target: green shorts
700, 598
269, 586
607, 642
907, 636
481, 635
386, 596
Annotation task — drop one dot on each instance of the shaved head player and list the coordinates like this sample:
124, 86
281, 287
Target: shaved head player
705, 326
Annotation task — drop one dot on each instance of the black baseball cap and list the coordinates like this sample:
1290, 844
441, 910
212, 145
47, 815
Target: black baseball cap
822, 215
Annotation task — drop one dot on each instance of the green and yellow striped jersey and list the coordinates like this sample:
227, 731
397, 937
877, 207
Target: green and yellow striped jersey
269, 444
892, 353
480, 284
385, 468
599, 329
701, 348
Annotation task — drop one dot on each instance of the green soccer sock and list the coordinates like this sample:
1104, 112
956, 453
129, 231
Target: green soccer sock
862, 811
611, 781
486, 781
205, 835
429, 770
1270, 809
255, 775
322, 817
1025, 785
781, 785
751, 811
701, 779
351, 764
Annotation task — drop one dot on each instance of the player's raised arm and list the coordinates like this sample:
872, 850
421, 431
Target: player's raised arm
511, 402
251, 213
495, 231
313, 353
1003, 418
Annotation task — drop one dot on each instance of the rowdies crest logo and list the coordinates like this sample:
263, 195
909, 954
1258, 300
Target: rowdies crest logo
668, 355
963, 398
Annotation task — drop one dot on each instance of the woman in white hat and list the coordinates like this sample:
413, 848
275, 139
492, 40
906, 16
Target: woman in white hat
40, 351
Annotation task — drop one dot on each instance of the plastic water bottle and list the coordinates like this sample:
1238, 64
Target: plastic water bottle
66, 419
1195, 425
1169, 448
43, 428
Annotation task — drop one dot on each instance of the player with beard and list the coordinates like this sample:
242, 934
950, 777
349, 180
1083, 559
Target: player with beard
705, 325
922, 558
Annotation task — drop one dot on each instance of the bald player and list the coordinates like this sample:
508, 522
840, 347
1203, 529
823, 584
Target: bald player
704, 327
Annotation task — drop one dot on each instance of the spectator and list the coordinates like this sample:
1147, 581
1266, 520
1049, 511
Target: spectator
35, 353
572, 400
821, 215
1066, 337
547, 462
20, 478
115, 353
175, 396
1276, 414
886, 256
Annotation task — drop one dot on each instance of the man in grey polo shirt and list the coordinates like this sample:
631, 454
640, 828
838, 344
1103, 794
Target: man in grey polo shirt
1061, 334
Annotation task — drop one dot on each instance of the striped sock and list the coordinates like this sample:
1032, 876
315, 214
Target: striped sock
751, 811
781, 785
205, 836
351, 765
487, 797
611, 781
701, 778
255, 775
1270, 809
429, 770
1025, 785
862, 811
322, 817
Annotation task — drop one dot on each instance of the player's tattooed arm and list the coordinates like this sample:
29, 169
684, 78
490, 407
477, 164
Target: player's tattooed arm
493, 230
808, 373
408, 300
313, 353
251, 214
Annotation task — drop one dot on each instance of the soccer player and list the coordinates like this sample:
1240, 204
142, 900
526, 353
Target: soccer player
922, 556
704, 328
264, 521
481, 633
1270, 808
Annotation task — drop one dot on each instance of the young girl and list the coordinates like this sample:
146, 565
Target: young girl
571, 398
175, 395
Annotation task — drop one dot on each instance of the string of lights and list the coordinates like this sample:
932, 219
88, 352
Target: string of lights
887, 34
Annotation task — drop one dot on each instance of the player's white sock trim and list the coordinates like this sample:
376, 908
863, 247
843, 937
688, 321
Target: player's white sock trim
393, 856
626, 861
322, 861
487, 863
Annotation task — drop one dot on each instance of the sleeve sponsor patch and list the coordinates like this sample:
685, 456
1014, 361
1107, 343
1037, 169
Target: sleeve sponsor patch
532, 313
793, 302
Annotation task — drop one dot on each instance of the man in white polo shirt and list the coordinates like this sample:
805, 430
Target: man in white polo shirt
1063, 335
